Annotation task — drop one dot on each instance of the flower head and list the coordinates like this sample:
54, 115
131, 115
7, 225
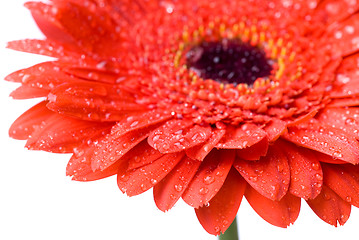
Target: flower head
207, 101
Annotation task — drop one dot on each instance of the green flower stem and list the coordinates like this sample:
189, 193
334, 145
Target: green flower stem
231, 233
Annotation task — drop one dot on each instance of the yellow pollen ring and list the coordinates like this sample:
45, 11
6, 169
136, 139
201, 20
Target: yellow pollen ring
276, 48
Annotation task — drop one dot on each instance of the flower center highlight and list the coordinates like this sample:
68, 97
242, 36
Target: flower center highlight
229, 61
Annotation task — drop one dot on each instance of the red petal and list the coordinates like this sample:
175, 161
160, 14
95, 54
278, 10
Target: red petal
92, 101
344, 102
79, 167
28, 121
327, 159
209, 178
222, 209
345, 35
303, 119
347, 78
241, 137
200, 151
42, 47
344, 181
137, 181
141, 155
270, 175
279, 213
45, 75
111, 148
337, 10
332, 141
91, 27
61, 134
346, 119
45, 17
26, 92
330, 207
97, 75
255, 151
305, 171
178, 135
140, 120
170, 189
275, 129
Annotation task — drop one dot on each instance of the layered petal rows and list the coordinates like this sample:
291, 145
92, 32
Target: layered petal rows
131, 92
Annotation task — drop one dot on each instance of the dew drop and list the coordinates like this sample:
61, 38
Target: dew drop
135, 123
178, 187
348, 199
253, 179
124, 178
327, 196
203, 190
316, 166
208, 179
143, 187
319, 177
337, 154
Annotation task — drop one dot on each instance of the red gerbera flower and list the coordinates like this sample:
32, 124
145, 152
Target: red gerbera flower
207, 101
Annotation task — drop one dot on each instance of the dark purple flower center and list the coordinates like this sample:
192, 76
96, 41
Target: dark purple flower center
229, 61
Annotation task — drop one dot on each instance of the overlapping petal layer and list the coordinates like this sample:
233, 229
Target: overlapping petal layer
127, 99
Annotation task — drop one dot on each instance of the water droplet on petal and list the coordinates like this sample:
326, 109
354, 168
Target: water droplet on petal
327, 196
208, 179
178, 187
203, 190
319, 176
316, 166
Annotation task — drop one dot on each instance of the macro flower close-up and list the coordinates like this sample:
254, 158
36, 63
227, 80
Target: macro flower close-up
205, 101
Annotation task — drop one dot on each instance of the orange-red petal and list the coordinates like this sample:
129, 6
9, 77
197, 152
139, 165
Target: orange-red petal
92, 101
278, 213
209, 178
61, 134
330, 207
200, 151
241, 137
137, 181
274, 129
347, 78
26, 92
326, 139
112, 147
45, 75
337, 10
306, 176
42, 47
167, 192
218, 215
138, 120
255, 151
344, 181
24, 125
270, 175
178, 135
79, 167
345, 35
45, 17
141, 155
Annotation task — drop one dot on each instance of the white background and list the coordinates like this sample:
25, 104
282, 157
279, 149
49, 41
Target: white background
37, 200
